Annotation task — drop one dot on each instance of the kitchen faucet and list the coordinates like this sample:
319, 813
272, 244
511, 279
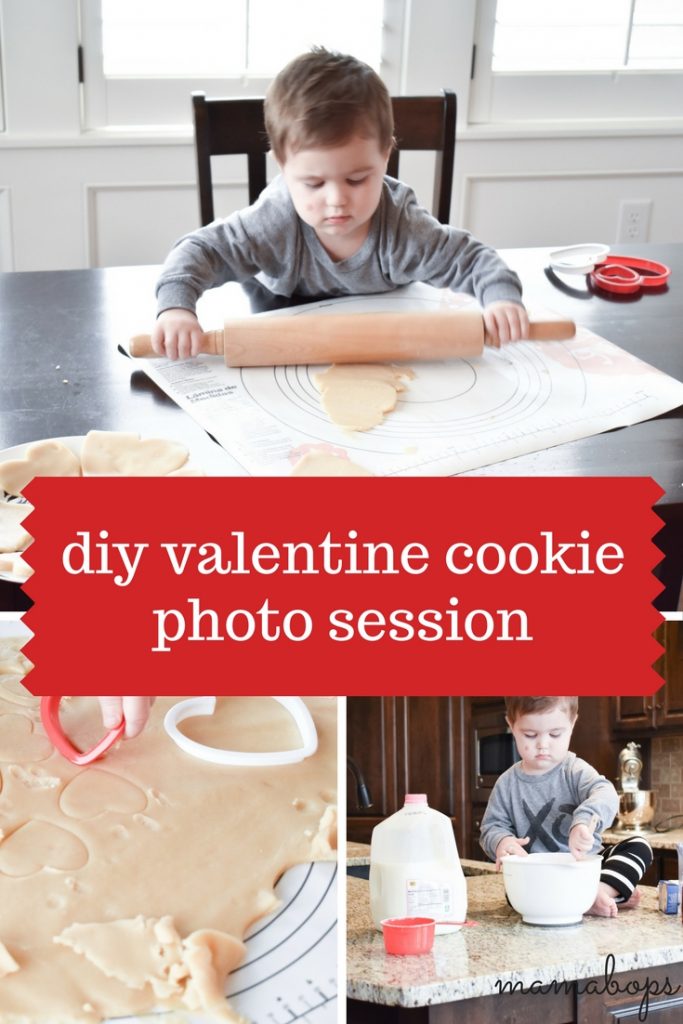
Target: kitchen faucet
363, 798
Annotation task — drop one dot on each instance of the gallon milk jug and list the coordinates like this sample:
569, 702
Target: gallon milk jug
414, 867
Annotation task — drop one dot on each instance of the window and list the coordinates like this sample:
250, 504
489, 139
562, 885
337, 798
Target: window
539, 61
2, 100
143, 58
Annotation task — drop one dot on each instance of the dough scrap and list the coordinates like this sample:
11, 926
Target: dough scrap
114, 453
13, 537
327, 464
149, 951
44, 458
356, 396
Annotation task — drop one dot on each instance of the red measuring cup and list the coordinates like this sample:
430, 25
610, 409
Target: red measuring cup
413, 936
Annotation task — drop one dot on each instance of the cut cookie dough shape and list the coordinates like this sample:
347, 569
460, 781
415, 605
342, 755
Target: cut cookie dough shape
13, 537
114, 453
44, 458
357, 396
96, 791
38, 845
327, 464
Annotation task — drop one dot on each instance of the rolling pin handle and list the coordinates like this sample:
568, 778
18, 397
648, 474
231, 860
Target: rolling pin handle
141, 345
542, 330
551, 330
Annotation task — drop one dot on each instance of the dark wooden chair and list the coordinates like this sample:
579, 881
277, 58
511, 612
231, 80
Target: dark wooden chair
231, 126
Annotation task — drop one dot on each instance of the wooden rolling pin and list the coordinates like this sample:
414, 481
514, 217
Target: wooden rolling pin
354, 337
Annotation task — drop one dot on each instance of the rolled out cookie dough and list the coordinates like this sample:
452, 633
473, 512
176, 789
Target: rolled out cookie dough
113, 453
356, 396
44, 458
129, 885
327, 464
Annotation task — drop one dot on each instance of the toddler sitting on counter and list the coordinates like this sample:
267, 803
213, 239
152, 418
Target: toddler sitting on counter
551, 800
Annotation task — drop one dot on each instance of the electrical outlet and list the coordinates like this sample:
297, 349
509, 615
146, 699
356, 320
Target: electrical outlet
634, 220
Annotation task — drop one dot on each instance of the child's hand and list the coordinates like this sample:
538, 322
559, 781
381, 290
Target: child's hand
505, 321
177, 334
580, 840
510, 847
135, 711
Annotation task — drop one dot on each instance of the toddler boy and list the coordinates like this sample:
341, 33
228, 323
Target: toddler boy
550, 800
331, 223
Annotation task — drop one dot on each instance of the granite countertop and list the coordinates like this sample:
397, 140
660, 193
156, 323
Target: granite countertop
477, 961
657, 840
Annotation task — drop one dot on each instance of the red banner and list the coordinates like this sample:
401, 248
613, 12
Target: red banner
354, 586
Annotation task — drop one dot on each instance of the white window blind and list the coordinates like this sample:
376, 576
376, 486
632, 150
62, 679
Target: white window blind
599, 59
143, 58
2, 74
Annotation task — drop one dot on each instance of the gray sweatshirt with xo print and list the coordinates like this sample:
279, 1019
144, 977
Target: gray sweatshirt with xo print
268, 241
545, 807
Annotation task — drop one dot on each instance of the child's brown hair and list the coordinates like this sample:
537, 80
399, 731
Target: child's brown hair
322, 98
518, 706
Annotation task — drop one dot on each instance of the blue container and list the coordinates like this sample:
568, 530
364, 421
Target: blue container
668, 897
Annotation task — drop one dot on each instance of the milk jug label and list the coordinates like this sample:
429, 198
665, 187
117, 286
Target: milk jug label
427, 898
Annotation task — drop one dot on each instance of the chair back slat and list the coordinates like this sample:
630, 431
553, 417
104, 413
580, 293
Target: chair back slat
232, 126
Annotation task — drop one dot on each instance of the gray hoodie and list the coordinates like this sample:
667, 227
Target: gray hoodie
545, 807
270, 242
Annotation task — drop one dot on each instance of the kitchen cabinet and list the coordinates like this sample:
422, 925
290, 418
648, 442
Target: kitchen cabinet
595, 974
663, 711
405, 745
585, 1002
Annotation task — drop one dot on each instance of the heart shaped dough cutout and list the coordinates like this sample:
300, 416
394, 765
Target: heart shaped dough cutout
254, 759
113, 453
44, 458
38, 845
96, 791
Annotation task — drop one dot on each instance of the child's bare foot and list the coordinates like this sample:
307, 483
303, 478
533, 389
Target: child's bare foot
605, 904
632, 902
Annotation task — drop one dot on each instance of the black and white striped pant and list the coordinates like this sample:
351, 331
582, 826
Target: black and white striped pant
624, 864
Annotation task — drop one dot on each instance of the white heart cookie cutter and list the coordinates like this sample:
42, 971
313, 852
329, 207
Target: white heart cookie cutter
252, 759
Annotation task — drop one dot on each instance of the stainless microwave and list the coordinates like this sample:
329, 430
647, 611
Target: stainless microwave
494, 752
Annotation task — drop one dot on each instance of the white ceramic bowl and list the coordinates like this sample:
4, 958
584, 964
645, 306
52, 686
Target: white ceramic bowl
551, 888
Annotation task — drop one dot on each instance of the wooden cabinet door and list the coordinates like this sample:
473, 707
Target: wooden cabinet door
406, 745
371, 742
669, 700
660, 987
633, 715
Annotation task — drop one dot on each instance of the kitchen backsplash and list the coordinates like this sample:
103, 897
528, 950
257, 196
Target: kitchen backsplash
667, 776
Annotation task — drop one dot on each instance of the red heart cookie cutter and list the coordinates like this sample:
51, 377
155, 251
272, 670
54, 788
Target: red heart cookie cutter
49, 712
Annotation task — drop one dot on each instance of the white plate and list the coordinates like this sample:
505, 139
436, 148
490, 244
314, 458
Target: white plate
19, 450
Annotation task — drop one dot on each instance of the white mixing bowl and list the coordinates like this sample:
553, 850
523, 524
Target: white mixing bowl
551, 888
